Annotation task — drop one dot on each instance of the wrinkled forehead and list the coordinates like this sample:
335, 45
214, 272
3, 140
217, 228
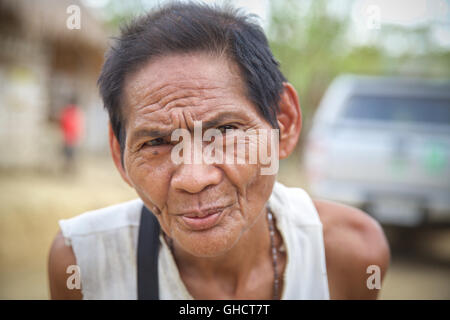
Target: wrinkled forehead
183, 80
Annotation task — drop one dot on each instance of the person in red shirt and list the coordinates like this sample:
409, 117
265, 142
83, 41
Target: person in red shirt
71, 123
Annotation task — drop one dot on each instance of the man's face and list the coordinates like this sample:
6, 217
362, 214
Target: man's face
171, 93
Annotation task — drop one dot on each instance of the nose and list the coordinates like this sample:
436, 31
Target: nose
194, 178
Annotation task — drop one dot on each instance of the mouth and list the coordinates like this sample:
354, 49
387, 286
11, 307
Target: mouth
203, 220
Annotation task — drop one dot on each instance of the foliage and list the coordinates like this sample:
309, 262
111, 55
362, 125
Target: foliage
313, 47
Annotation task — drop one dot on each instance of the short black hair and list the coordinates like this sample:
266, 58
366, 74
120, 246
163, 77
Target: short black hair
189, 27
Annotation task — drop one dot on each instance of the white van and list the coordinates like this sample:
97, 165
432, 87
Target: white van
383, 144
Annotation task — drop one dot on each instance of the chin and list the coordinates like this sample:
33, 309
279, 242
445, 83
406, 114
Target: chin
209, 243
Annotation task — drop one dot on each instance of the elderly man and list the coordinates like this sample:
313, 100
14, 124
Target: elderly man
228, 229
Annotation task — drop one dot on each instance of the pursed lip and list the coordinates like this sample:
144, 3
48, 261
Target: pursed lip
203, 219
202, 213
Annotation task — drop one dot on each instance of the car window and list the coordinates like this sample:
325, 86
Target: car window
398, 109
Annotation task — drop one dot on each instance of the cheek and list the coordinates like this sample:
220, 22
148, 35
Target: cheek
259, 191
252, 177
150, 177
253, 186
253, 189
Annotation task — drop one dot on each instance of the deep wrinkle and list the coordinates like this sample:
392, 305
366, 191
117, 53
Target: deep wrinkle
169, 189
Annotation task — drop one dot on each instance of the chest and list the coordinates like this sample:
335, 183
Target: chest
258, 284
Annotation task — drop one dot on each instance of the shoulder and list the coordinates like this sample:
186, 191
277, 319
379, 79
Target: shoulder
75, 234
61, 256
108, 218
354, 241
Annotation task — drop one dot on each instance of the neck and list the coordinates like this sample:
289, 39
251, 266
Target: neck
233, 267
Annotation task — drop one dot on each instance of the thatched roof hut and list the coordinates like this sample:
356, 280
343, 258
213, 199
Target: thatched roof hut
47, 18
43, 64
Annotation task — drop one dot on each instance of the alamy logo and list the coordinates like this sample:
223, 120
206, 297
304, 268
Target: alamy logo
373, 17
74, 20
374, 280
74, 280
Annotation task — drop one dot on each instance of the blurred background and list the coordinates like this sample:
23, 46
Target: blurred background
373, 79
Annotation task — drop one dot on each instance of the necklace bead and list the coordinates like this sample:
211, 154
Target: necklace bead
274, 255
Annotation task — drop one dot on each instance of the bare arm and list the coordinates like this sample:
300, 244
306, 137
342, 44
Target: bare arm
60, 257
353, 242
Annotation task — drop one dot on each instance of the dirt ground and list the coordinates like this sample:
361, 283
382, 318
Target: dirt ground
32, 202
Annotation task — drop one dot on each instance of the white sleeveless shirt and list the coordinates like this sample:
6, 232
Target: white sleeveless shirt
104, 242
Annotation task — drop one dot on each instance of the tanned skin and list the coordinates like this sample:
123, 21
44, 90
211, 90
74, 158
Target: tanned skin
353, 241
232, 260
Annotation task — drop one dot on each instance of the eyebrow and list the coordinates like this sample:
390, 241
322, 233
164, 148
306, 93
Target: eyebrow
220, 119
156, 133
149, 133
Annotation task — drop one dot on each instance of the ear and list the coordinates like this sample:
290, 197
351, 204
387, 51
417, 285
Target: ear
289, 120
114, 146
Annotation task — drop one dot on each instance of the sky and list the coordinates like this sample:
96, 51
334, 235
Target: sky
368, 16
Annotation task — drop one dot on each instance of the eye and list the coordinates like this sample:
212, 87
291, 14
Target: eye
154, 142
226, 127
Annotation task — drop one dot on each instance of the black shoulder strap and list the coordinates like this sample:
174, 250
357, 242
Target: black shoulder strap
147, 256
